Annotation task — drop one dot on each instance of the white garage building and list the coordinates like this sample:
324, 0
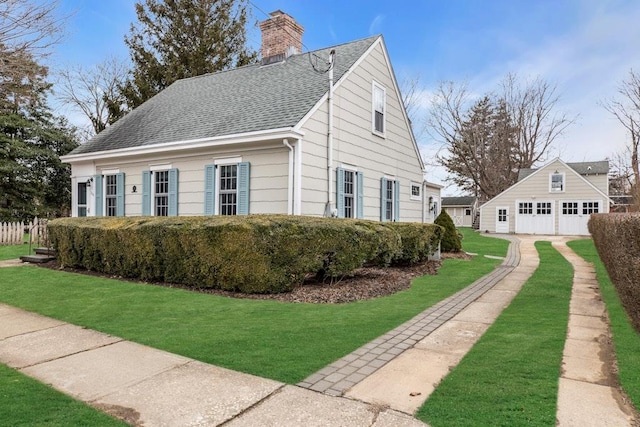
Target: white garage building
557, 198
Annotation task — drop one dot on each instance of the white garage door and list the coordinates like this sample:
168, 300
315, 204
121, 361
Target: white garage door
574, 216
535, 217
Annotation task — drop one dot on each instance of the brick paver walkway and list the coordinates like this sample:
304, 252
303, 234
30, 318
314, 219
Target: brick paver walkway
348, 371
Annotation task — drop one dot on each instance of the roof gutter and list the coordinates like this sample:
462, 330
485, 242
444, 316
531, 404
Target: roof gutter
218, 141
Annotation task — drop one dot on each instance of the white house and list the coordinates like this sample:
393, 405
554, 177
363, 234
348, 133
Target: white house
557, 198
319, 133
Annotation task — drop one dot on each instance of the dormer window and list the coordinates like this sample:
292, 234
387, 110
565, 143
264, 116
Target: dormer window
556, 184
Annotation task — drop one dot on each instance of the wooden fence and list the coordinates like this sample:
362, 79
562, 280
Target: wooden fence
13, 233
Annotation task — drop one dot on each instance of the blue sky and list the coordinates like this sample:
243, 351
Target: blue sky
585, 47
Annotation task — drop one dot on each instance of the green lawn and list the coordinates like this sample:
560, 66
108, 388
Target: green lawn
27, 402
283, 341
477, 243
13, 251
510, 377
626, 340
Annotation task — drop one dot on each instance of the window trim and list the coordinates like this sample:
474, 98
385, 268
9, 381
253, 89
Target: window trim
563, 184
106, 197
154, 194
149, 206
411, 187
227, 161
212, 189
395, 199
358, 191
377, 86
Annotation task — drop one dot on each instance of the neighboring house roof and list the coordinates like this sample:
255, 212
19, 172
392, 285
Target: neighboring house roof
459, 201
247, 99
583, 168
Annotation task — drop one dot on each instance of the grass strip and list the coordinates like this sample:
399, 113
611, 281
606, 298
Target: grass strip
282, 341
27, 402
510, 377
13, 251
626, 340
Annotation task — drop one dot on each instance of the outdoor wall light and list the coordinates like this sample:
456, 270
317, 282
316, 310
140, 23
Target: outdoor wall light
134, 189
89, 181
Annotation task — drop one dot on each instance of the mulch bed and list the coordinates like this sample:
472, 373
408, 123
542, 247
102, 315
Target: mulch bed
365, 284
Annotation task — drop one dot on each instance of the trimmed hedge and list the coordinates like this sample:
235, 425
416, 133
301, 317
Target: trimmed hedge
251, 254
617, 239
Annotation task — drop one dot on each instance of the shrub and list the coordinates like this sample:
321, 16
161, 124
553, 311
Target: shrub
254, 254
450, 237
617, 239
419, 241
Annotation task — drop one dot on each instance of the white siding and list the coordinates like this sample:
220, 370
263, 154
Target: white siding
268, 183
355, 144
536, 188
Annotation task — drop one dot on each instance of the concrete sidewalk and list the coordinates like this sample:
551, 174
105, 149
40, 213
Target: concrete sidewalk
146, 386
381, 384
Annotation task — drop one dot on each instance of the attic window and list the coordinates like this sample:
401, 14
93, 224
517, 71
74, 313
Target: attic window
556, 182
379, 109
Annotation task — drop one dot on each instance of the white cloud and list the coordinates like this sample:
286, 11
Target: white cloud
374, 26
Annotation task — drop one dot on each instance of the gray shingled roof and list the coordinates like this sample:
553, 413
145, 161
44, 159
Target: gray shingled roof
246, 99
583, 168
458, 201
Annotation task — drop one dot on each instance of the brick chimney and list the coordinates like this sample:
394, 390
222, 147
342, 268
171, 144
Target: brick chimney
281, 37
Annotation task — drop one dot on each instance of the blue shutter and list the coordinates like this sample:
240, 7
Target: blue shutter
396, 201
120, 194
209, 189
173, 192
340, 192
360, 195
243, 188
146, 192
97, 179
383, 198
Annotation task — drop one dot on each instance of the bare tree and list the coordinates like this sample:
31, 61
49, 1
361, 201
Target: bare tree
28, 29
95, 91
532, 108
626, 108
29, 25
486, 140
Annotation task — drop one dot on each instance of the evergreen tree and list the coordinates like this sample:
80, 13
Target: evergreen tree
33, 181
175, 39
450, 238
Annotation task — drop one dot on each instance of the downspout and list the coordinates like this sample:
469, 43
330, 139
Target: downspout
297, 195
330, 175
424, 194
290, 180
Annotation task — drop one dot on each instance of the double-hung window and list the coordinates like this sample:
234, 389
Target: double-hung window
226, 188
378, 109
350, 198
228, 193
556, 182
109, 192
389, 200
160, 191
